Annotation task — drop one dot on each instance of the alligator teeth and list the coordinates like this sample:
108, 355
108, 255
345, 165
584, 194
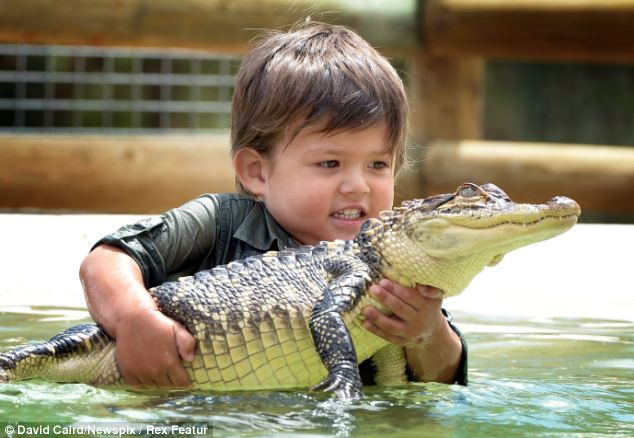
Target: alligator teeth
351, 213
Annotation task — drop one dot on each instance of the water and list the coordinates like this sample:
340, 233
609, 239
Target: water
550, 377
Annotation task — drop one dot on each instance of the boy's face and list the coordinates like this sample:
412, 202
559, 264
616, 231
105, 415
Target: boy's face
323, 186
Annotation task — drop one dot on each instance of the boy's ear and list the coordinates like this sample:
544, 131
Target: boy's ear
249, 167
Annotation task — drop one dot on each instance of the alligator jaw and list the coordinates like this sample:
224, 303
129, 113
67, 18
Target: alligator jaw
445, 240
491, 223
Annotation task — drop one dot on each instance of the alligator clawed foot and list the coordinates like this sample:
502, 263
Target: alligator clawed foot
346, 385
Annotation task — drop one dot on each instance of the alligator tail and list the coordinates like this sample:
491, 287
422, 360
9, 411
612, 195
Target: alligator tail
83, 354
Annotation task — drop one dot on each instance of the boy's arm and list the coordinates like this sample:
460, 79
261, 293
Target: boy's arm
150, 346
116, 274
433, 350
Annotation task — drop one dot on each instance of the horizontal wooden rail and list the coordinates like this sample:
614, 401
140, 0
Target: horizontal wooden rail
600, 178
588, 30
585, 30
111, 174
151, 174
216, 25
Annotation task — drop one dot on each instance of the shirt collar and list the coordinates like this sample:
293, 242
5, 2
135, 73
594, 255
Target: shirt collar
260, 230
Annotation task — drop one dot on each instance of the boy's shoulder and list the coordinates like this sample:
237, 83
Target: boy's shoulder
230, 205
245, 218
217, 201
233, 200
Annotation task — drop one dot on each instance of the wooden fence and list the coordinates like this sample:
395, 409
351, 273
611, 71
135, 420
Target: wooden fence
446, 43
117, 174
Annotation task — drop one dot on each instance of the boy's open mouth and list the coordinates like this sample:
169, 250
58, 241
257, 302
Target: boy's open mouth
349, 214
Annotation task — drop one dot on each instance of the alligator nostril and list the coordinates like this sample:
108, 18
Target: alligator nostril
565, 202
561, 200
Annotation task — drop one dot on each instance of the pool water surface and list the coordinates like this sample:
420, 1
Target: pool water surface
527, 377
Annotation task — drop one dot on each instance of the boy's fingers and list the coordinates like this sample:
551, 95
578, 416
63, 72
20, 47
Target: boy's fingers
393, 326
413, 297
382, 334
148, 353
132, 381
409, 304
395, 303
179, 378
144, 381
430, 292
174, 377
181, 348
185, 342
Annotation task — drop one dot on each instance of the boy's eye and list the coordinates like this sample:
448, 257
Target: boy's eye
329, 164
379, 165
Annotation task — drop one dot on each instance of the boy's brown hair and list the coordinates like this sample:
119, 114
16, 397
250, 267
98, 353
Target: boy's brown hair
323, 73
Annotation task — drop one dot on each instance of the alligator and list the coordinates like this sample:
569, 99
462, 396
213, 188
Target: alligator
292, 318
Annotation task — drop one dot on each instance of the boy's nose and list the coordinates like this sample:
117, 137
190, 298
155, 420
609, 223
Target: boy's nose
354, 183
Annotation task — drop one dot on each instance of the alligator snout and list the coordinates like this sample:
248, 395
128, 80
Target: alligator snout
563, 203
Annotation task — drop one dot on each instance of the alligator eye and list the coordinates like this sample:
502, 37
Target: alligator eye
466, 192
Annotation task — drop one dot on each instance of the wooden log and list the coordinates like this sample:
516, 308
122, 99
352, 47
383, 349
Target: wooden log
111, 174
538, 29
600, 178
583, 30
152, 174
214, 25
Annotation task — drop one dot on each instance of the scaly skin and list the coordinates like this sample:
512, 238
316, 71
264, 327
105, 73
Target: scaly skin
293, 318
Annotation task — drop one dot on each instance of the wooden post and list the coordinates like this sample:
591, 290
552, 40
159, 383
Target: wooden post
600, 178
446, 99
215, 25
111, 174
585, 30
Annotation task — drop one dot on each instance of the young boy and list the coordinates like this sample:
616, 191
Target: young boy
318, 134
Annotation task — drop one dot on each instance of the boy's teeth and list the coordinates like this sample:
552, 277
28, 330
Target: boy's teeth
348, 214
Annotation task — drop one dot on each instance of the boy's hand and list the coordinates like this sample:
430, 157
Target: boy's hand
432, 349
416, 312
150, 350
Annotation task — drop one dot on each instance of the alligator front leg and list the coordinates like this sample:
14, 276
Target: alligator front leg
332, 339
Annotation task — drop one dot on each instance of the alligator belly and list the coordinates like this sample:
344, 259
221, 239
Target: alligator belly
278, 353
283, 356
